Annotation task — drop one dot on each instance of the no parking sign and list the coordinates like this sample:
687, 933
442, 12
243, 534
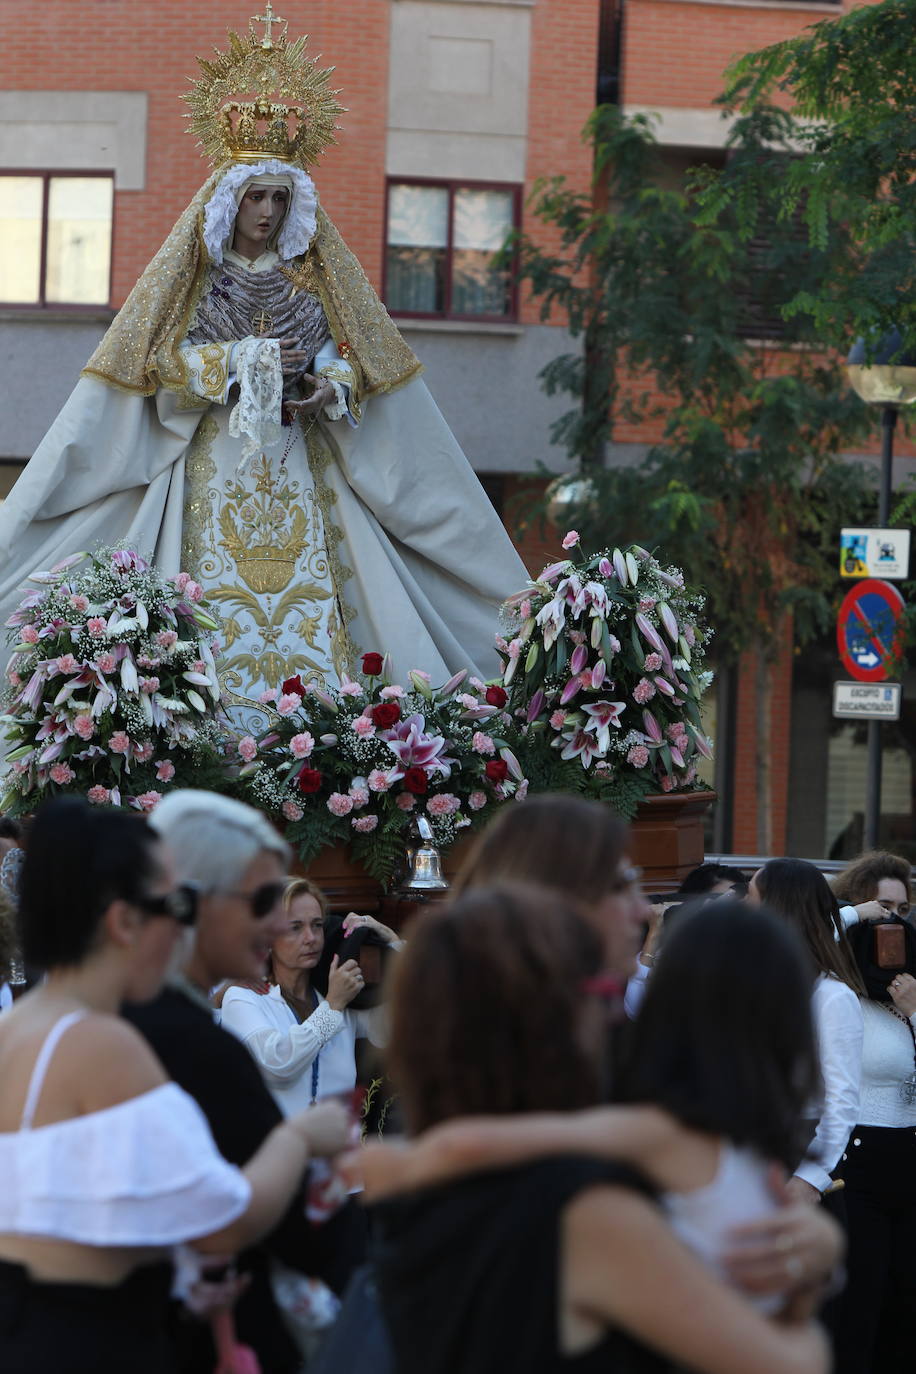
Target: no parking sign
870, 620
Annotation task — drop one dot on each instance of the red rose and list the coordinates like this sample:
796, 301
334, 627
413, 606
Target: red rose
496, 696
309, 780
415, 780
372, 664
293, 684
497, 770
386, 715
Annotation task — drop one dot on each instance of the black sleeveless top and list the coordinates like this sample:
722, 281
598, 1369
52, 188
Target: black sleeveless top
468, 1274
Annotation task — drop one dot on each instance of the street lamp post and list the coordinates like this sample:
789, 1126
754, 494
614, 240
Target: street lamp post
888, 381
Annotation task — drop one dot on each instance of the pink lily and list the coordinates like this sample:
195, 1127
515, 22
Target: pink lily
536, 705
580, 744
605, 567
664, 686
653, 729
599, 673
677, 757
551, 573
453, 684
648, 632
603, 714
512, 763
413, 748
702, 743
667, 617
578, 660
570, 690
620, 567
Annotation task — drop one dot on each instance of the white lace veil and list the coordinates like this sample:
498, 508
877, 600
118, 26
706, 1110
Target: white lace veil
298, 226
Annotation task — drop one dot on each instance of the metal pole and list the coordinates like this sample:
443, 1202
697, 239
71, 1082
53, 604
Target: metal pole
873, 768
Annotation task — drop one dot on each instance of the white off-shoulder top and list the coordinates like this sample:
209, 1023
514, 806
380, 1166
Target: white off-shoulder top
144, 1172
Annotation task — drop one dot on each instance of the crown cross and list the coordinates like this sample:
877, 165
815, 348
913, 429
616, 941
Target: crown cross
268, 19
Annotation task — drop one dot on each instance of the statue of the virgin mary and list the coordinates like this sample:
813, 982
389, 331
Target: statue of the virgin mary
254, 417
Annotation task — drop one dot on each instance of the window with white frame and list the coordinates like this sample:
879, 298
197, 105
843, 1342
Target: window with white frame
444, 253
55, 238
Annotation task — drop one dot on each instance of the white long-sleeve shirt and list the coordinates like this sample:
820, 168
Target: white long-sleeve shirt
287, 1051
838, 1023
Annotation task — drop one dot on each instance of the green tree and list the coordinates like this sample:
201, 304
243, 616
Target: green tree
746, 488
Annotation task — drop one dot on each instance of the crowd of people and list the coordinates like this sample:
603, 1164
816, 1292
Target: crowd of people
634, 1133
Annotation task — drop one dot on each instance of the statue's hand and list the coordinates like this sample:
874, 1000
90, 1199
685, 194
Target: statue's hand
323, 394
292, 358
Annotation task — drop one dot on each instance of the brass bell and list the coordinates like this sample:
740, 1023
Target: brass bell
424, 864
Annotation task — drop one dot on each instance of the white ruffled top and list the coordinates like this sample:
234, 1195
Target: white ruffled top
144, 1172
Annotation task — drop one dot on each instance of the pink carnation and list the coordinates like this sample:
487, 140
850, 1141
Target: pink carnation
147, 800
149, 685
292, 811
363, 727
98, 795
515, 648
194, 591
524, 610
359, 796
571, 539
339, 804
28, 634
300, 746
80, 602
364, 824
638, 756
350, 689
676, 731
248, 748
378, 781
690, 635
62, 773
482, 743
144, 752
643, 692
557, 720
119, 742
389, 693
288, 703
477, 801
667, 784
96, 627
84, 726
165, 770
167, 639
67, 664
406, 801
268, 696
182, 580
653, 663
443, 805
106, 663
646, 603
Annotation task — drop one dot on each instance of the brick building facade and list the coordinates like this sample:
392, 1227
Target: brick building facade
452, 106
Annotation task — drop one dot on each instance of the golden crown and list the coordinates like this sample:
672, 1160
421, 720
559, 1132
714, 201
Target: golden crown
263, 98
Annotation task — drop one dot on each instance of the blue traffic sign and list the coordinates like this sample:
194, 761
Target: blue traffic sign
868, 627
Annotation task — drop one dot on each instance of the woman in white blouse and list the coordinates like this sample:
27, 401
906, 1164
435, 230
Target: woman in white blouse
106, 1165
874, 1324
799, 892
304, 1042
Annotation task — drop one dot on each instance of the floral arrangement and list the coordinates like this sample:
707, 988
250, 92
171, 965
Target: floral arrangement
112, 686
353, 763
603, 660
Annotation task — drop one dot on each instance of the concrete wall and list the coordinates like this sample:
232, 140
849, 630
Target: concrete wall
41, 355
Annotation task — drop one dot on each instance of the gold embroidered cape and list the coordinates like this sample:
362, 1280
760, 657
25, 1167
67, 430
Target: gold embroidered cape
140, 351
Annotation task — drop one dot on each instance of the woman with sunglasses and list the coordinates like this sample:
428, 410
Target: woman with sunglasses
106, 1164
237, 862
304, 1040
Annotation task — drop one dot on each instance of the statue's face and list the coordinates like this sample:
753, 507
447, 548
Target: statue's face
259, 214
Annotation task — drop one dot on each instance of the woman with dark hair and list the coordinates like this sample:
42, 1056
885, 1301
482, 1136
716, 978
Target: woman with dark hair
874, 1325
567, 1262
799, 893
877, 880
573, 846
106, 1164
